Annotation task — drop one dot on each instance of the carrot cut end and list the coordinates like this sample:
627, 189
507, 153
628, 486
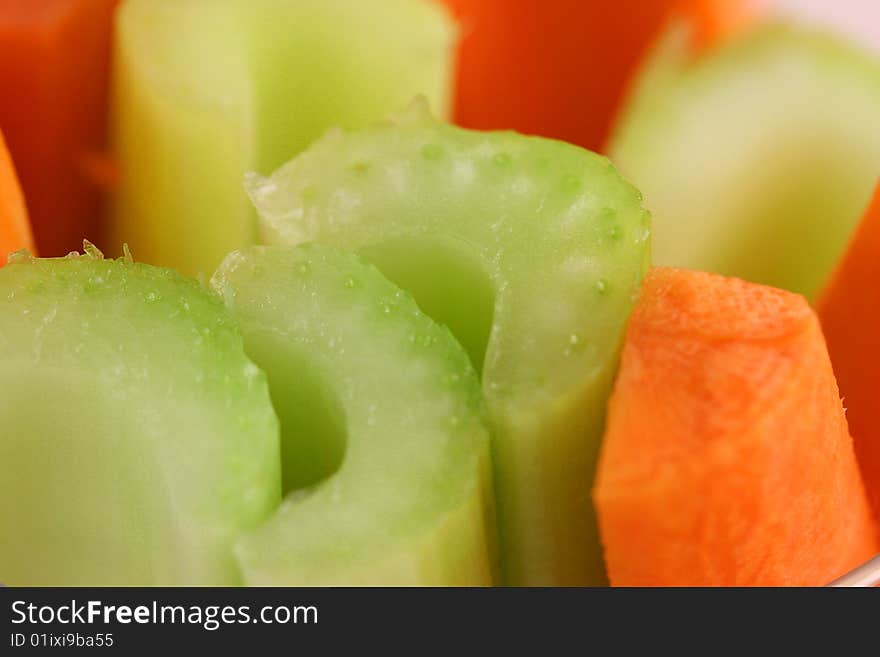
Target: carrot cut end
727, 458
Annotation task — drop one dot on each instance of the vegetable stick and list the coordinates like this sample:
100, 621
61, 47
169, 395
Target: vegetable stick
54, 57
727, 460
850, 313
15, 232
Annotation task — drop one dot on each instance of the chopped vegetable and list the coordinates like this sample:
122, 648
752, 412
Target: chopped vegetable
532, 252
138, 441
205, 91
757, 156
385, 451
850, 313
727, 460
54, 63
15, 231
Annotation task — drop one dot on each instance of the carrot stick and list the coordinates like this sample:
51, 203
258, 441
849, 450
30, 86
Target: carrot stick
727, 459
849, 310
15, 232
54, 59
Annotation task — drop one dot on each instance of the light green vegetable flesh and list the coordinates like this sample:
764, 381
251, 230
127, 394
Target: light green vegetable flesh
401, 484
138, 441
532, 252
205, 90
758, 157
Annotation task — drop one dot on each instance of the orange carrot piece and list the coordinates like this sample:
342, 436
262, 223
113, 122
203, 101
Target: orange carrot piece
727, 459
54, 60
15, 232
559, 68
850, 313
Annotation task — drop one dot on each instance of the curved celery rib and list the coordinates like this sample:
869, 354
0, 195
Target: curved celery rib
756, 157
532, 252
398, 490
138, 441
